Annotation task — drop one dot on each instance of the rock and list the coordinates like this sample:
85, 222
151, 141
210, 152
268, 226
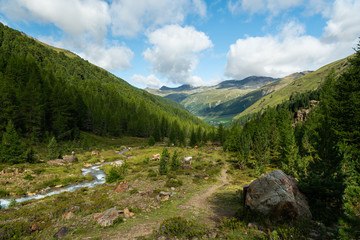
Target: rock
164, 193
34, 227
107, 218
30, 194
127, 213
117, 163
122, 187
70, 158
186, 166
165, 198
172, 189
59, 186
252, 225
277, 194
68, 215
87, 165
61, 233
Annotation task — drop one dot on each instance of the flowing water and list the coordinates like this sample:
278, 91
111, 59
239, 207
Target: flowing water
95, 171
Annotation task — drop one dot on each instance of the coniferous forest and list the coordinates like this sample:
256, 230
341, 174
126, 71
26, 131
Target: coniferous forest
50, 96
322, 152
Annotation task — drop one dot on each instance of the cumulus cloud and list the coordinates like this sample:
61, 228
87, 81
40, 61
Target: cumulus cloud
150, 81
175, 50
292, 50
75, 17
111, 58
129, 17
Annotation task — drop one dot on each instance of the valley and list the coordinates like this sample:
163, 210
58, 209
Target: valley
86, 155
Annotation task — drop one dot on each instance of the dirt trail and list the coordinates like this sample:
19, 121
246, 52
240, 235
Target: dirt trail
197, 203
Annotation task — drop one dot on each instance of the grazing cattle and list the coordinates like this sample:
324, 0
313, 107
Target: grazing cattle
155, 157
117, 163
187, 160
95, 153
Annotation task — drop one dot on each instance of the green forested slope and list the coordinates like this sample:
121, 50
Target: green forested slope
47, 91
308, 82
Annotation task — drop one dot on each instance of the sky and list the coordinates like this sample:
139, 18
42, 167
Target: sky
151, 43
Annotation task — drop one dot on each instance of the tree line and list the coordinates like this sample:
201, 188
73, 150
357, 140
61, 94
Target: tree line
323, 152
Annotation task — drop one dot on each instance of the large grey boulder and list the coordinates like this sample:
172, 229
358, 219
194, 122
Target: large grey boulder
277, 194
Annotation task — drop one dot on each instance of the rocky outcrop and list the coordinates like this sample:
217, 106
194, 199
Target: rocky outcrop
70, 158
277, 194
107, 218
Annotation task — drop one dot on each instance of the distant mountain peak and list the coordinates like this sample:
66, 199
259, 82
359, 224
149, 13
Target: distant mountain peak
180, 88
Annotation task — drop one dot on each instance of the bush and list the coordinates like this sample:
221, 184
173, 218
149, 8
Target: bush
151, 141
29, 177
173, 183
116, 174
180, 227
4, 193
175, 162
152, 173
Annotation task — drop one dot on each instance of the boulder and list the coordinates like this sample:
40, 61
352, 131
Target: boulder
277, 194
107, 218
61, 233
70, 158
122, 187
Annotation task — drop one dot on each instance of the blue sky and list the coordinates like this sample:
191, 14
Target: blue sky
151, 43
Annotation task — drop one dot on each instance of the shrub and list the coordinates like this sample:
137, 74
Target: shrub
173, 183
163, 168
29, 177
12, 202
152, 173
180, 227
4, 193
116, 174
151, 141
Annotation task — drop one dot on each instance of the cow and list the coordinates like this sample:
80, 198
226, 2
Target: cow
155, 157
187, 160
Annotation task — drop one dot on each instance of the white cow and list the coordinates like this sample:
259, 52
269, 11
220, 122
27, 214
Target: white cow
187, 160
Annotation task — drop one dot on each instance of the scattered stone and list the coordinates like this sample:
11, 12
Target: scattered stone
59, 186
172, 189
30, 194
206, 178
107, 218
61, 233
122, 187
68, 215
87, 165
252, 225
277, 194
127, 213
102, 160
34, 227
164, 193
165, 198
186, 166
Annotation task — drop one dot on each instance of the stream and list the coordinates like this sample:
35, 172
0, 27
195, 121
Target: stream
95, 171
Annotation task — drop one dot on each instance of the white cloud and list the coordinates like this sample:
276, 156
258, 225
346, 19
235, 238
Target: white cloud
175, 50
344, 23
292, 50
129, 17
75, 17
111, 58
150, 81
260, 6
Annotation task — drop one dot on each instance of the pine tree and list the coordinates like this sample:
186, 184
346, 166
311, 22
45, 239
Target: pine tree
193, 140
175, 162
163, 167
11, 147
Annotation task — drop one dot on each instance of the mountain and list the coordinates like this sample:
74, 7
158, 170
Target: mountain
48, 91
308, 82
220, 103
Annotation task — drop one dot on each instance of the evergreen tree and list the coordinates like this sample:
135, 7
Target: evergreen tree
163, 167
193, 140
175, 161
53, 149
151, 141
11, 146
